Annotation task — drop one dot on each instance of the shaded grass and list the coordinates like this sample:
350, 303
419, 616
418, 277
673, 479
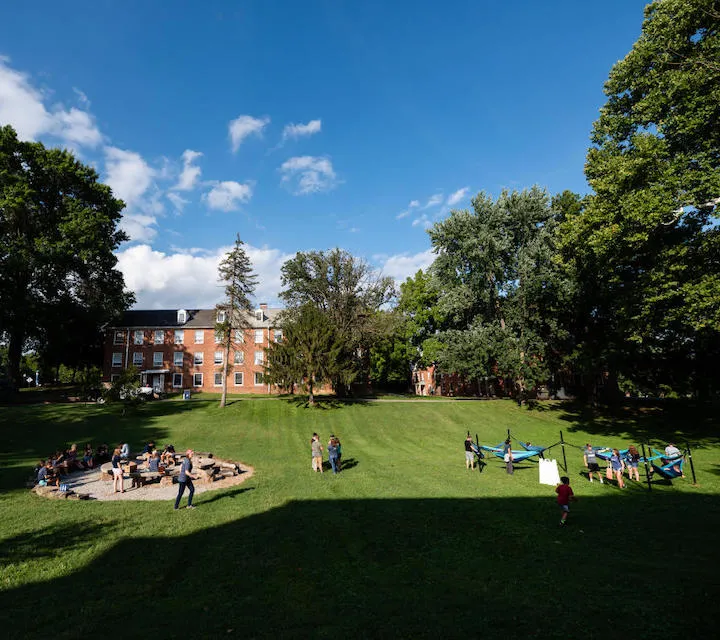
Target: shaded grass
405, 542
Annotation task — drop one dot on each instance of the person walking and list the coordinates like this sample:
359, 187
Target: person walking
591, 463
469, 455
118, 483
339, 453
565, 496
616, 463
185, 479
316, 449
508, 457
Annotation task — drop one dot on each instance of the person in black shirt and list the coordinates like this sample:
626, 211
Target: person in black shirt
469, 455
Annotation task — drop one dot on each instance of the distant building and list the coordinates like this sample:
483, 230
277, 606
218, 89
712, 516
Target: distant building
177, 349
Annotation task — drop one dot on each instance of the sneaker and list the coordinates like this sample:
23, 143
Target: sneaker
190, 506
601, 481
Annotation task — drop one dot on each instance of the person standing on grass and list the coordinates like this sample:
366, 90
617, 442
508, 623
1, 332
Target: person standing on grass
469, 455
632, 461
565, 495
591, 463
332, 453
339, 452
508, 457
118, 484
316, 449
616, 463
185, 479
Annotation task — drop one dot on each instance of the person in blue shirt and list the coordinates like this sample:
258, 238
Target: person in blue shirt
185, 479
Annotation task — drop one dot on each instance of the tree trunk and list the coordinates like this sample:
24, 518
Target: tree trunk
15, 346
223, 397
311, 397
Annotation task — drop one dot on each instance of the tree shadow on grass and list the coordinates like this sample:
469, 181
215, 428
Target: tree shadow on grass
230, 494
430, 568
51, 541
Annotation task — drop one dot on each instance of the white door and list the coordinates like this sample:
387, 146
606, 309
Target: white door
158, 382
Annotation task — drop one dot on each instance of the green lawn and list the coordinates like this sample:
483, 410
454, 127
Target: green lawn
405, 542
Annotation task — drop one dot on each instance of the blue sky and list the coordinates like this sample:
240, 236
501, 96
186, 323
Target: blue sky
306, 125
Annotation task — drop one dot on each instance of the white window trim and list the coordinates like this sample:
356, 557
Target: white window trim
181, 334
239, 336
259, 332
199, 333
220, 318
117, 360
241, 359
141, 335
195, 378
215, 357
121, 335
259, 357
177, 386
135, 359
215, 382
195, 358
242, 379
155, 336
181, 316
175, 358
255, 375
157, 362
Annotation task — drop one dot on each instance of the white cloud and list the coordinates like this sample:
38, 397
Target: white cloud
423, 221
402, 214
313, 174
228, 195
434, 201
178, 202
23, 107
295, 131
413, 204
402, 266
139, 227
456, 197
188, 278
244, 126
128, 174
190, 173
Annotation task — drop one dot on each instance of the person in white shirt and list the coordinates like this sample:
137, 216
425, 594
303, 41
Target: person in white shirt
125, 450
671, 451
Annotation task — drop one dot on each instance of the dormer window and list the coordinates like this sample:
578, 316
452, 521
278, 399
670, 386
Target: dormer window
220, 317
259, 316
181, 316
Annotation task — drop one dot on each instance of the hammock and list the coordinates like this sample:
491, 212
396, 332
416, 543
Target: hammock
531, 447
476, 450
604, 453
670, 467
518, 456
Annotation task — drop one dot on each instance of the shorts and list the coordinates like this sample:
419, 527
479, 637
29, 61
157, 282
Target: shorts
565, 507
593, 466
634, 465
469, 456
117, 471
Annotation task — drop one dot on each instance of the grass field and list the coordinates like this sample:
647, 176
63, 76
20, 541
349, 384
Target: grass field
405, 542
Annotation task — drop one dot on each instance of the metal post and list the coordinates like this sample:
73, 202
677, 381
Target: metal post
647, 471
508, 434
692, 466
562, 444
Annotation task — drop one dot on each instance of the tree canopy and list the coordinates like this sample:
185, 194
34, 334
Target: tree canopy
58, 232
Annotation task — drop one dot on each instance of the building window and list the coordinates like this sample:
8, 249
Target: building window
159, 337
239, 357
119, 337
258, 336
181, 316
239, 336
258, 378
218, 337
138, 359
114, 377
179, 336
238, 379
218, 380
177, 380
178, 358
198, 360
139, 337
117, 360
277, 334
157, 359
258, 357
197, 380
220, 317
218, 357
199, 337
259, 315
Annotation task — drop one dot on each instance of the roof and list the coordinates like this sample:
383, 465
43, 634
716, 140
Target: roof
197, 319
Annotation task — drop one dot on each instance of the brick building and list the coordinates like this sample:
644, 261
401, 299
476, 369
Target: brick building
177, 349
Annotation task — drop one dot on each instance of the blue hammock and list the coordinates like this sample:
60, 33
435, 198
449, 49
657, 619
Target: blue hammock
531, 447
605, 453
671, 467
476, 450
518, 456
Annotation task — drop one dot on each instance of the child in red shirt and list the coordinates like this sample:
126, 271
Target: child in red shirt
565, 496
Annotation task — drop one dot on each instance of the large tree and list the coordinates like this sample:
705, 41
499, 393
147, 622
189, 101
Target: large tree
58, 231
236, 274
349, 293
648, 241
500, 288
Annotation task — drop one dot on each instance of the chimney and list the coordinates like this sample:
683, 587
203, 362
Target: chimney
263, 306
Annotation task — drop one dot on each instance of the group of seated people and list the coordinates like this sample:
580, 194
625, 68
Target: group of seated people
155, 459
51, 470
